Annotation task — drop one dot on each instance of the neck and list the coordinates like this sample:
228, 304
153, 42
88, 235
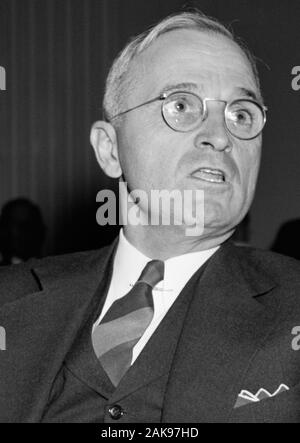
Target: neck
163, 242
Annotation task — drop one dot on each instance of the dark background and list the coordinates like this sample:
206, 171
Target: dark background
56, 54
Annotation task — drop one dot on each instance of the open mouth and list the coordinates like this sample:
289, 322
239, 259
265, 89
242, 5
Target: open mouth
210, 175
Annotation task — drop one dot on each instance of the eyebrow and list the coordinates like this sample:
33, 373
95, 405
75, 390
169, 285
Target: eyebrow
194, 87
248, 93
180, 86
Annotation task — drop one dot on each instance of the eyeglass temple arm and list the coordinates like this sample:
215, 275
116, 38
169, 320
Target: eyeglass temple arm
160, 97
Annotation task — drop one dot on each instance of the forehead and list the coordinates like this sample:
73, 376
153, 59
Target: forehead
211, 61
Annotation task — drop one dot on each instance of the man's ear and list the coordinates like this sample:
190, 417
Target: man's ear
104, 141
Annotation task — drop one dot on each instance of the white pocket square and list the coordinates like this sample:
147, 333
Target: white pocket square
246, 397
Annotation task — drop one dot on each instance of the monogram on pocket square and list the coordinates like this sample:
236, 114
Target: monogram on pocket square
246, 397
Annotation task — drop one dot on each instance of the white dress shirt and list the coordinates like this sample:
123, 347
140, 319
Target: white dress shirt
127, 268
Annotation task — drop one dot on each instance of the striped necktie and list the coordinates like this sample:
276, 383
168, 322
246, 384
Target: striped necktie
125, 322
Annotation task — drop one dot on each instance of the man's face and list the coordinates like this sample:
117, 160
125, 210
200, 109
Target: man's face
155, 157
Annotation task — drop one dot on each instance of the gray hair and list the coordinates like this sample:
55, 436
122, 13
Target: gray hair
118, 81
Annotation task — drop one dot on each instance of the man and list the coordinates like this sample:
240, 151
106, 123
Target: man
163, 326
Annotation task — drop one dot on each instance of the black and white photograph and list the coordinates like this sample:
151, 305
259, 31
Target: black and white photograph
149, 214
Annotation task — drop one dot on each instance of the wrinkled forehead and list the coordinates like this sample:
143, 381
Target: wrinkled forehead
211, 60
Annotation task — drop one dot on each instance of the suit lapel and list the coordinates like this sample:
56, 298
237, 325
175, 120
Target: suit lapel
82, 360
225, 325
41, 328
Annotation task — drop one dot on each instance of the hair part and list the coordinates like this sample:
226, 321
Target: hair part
118, 80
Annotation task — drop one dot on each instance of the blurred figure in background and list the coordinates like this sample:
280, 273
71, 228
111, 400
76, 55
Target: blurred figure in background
22, 231
287, 239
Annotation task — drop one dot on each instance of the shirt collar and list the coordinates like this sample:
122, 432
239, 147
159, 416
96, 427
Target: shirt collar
129, 263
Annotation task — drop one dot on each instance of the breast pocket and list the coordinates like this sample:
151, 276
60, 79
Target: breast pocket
283, 408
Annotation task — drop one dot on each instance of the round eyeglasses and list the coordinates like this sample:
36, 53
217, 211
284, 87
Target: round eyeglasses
185, 111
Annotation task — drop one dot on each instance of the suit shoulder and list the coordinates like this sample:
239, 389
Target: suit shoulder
283, 271
281, 267
17, 281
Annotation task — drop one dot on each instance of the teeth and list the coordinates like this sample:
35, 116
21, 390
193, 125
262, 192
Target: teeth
212, 171
211, 175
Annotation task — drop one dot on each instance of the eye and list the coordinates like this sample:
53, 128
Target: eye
182, 111
180, 105
241, 117
242, 114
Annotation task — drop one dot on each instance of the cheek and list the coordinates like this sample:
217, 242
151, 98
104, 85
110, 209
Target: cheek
148, 153
248, 162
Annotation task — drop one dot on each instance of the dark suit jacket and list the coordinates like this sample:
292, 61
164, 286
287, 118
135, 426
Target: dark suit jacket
237, 335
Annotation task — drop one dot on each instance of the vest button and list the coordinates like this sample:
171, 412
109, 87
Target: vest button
116, 412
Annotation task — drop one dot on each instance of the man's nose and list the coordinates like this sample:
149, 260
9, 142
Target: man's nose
212, 132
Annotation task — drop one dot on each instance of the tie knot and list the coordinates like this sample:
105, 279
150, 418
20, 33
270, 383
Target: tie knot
152, 273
